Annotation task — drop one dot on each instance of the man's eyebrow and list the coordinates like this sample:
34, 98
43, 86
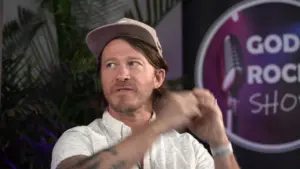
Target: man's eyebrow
135, 58
108, 59
105, 60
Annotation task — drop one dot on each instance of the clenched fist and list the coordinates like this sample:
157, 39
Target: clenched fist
176, 110
209, 126
196, 110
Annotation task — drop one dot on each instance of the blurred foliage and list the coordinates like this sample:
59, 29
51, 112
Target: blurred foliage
49, 79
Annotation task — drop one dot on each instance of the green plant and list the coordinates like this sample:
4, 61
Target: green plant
156, 10
50, 86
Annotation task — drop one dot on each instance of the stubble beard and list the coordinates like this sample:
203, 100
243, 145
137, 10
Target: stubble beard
125, 110
129, 109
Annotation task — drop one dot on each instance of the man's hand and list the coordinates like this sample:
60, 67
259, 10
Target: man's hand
176, 110
209, 125
197, 110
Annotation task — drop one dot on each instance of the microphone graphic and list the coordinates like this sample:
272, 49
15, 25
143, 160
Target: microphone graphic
233, 78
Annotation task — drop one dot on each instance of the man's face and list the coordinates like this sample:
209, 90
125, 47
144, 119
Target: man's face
128, 79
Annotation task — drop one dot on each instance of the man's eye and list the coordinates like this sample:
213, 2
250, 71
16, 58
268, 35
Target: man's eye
110, 65
133, 63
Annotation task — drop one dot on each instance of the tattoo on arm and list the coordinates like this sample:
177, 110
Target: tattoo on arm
97, 161
95, 165
111, 150
119, 165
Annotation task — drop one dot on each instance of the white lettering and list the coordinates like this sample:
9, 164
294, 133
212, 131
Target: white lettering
250, 45
259, 105
288, 48
264, 107
285, 73
273, 44
275, 101
277, 45
268, 104
254, 74
283, 101
271, 74
298, 72
266, 74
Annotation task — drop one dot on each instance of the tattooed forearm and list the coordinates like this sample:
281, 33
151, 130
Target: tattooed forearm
119, 165
95, 165
94, 161
123, 155
111, 150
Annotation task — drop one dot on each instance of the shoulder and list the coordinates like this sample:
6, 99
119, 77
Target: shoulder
72, 142
77, 130
80, 131
82, 134
76, 141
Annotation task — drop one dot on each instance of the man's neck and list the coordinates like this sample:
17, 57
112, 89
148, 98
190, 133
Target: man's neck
135, 121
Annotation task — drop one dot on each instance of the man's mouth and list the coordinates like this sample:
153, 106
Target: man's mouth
124, 89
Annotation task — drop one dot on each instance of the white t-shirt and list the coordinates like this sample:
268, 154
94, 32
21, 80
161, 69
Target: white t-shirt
171, 150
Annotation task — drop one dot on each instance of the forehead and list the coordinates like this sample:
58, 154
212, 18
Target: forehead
120, 49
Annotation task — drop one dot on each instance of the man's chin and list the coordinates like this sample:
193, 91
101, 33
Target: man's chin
124, 104
125, 109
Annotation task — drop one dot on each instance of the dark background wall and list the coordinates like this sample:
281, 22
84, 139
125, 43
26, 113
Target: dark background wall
198, 16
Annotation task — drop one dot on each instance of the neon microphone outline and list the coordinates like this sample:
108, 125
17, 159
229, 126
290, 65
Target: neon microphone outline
234, 77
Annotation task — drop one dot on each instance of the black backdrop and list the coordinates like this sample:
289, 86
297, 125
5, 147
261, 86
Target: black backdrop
198, 16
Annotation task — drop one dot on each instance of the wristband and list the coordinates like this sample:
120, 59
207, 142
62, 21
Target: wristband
221, 151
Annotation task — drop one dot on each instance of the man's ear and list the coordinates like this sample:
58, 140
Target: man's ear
160, 75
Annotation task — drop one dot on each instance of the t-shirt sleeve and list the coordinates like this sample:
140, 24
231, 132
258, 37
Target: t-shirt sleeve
203, 159
72, 142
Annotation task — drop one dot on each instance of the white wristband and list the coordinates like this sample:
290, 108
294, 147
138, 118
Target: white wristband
221, 151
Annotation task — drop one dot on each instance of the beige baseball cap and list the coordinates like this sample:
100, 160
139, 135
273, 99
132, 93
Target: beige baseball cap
98, 38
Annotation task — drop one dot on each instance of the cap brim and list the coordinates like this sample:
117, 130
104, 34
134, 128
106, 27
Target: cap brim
99, 37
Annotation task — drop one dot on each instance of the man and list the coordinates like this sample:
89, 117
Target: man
138, 129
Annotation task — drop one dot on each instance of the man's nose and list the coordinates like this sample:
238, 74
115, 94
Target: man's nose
123, 74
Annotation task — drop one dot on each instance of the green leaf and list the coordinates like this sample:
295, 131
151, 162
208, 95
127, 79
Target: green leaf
155, 11
93, 13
